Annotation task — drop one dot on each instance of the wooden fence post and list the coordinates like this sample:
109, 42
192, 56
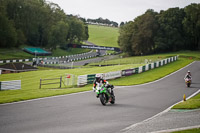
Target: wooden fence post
40, 82
60, 81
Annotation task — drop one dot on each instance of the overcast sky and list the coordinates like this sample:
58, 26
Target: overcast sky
117, 10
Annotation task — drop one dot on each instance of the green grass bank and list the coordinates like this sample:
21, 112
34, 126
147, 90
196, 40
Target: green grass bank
196, 130
103, 35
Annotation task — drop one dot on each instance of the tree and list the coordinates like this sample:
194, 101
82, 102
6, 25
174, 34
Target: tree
144, 31
34, 19
121, 24
76, 31
86, 36
58, 34
103, 21
136, 37
125, 38
39, 23
191, 24
170, 36
8, 35
170, 30
21, 39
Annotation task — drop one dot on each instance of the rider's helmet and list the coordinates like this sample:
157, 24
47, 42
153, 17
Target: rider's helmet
98, 77
188, 72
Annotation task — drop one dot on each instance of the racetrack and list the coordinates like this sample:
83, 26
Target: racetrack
83, 112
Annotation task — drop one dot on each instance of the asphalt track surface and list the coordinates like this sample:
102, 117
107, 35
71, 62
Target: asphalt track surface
83, 112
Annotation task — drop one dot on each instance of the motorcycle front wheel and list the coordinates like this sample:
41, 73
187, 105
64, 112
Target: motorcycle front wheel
102, 97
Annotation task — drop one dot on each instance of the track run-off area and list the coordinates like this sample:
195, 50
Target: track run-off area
83, 112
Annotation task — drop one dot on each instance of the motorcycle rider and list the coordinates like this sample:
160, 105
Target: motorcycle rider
100, 80
188, 75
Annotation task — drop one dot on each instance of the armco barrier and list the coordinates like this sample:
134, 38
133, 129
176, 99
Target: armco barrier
172, 59
150, 66
49, 58
10, 85
159, 64
140, 69
85, 79
90, 78
154, 64
129, 72
136, 70
13, 61
143, 68
112, 75
146, 67
82, 80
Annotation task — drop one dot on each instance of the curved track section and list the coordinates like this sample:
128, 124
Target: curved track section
82, 112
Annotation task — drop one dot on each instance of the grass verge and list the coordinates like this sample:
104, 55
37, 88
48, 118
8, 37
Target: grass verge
193, 103
195, 130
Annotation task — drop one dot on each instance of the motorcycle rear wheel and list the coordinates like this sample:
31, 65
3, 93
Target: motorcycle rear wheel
188, 84
113, 99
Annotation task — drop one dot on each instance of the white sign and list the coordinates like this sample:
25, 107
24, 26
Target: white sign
11, 85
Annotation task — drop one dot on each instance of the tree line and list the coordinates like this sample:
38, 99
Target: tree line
102, 21
171, 30
38, 23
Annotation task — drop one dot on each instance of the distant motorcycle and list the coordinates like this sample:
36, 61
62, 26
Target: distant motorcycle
188, 82
105, 94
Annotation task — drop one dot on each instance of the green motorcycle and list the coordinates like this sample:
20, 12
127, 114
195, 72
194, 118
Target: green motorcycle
105, 94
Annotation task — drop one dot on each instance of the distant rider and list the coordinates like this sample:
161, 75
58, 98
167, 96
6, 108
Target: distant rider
188, 75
